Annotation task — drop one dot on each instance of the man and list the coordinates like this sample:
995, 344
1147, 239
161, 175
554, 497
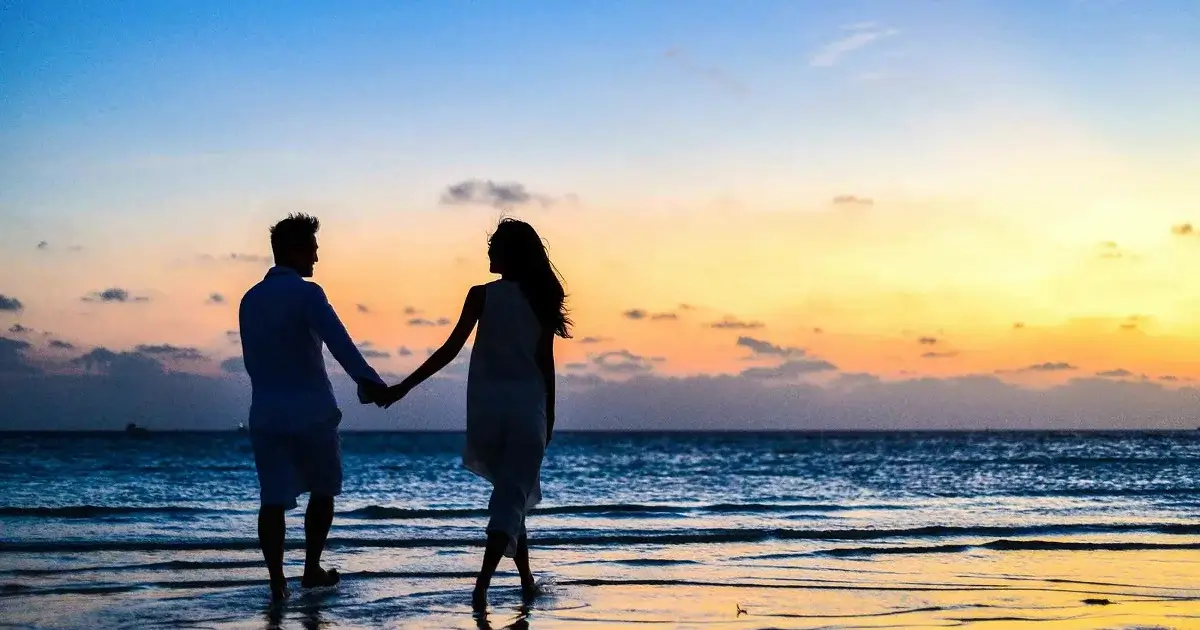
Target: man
294, 417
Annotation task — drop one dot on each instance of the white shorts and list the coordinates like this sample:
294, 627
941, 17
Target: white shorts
290, 464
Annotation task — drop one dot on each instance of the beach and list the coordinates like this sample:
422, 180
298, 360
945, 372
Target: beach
696, 530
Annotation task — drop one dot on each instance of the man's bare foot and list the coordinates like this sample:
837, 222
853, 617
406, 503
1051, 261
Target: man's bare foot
280, 591
479, 599
318, 578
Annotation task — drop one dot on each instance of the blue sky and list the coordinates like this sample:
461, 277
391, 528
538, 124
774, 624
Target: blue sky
880, 171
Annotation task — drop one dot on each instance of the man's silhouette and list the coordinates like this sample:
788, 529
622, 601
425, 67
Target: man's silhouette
294, 417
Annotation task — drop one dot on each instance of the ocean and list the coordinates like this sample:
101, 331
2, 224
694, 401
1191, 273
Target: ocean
703, 530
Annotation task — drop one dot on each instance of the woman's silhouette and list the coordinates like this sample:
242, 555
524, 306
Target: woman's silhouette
510, 387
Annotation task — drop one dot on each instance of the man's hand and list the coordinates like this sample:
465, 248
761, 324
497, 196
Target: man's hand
374, 392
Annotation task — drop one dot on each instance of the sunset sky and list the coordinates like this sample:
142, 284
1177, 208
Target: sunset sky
777, 196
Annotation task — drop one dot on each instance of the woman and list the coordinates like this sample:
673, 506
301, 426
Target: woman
510, 388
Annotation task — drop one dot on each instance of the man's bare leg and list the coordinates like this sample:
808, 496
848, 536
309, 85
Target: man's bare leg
318, 518
271, 532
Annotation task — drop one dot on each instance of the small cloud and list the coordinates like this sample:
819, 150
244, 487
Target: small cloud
362, 308
368, 350
731, 323
591, 340
403, 351
939, 355
576, 366
860, 35
634, 313
853, 201
622, 362
714, 75
1117, 373
761, 347
660, 317
1183, 229
412, 310
421, 321
18, 329
927, 341
43, 245
250, 258
10, 304
818, 331
234, 365
113, 295
1018, 325
790, 369
855, 378
500, 195
1168, 378
1049, 367
215, 298
166, 350
59, 344
687, 307
233, 336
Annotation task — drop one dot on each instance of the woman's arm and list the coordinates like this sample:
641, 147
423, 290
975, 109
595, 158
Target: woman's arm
472, 309
545, 360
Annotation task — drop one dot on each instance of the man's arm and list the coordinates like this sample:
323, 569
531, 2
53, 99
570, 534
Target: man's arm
329, 328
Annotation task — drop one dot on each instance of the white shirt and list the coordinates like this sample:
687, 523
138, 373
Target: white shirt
284, 320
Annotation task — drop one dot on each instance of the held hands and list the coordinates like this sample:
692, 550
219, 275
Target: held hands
393, 394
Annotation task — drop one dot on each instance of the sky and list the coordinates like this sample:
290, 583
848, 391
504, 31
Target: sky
767, 214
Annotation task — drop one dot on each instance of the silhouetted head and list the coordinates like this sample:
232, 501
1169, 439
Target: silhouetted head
294, 243
517, 252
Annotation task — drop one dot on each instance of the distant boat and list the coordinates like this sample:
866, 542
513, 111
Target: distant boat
133, 429
241, 427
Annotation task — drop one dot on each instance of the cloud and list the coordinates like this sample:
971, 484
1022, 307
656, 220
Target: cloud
106, 361
13, 359
635, 313
411, 310
712, 74
593, 340
760, 347
368, 350
421, 321
234, 365
858, 36
789, 369
576, 366
853, 201
1183, 229
404, 351
215, 298
43, 245
10, 304
1018, 325
660, 317
233, 336
500, 195
257, 259
168, 351
927, 341
1117, 373
818, 331
362, 308
731, 323
939, 355
18, 329
113, 295
1058, 366
622, 362
59, 344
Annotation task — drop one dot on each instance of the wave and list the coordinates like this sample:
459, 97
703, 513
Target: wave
379, 512
1011, 545
598, 538
100, 511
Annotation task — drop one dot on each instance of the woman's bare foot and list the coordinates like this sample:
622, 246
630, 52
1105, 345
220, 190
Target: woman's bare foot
529, 589
479, 599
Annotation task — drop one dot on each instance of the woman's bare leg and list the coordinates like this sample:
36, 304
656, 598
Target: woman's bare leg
496, 543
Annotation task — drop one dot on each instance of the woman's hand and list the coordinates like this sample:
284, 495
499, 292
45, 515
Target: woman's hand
394, 394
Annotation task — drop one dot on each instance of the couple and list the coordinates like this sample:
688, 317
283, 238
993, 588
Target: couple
294, 417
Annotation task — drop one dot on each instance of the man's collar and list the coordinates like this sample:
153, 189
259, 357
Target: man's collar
281, 270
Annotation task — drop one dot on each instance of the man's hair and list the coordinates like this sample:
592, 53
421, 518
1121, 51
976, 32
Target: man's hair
294, 232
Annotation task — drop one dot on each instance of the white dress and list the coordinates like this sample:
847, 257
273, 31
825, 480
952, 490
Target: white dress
506, 408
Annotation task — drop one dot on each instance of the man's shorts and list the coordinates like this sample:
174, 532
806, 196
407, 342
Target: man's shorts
290, 464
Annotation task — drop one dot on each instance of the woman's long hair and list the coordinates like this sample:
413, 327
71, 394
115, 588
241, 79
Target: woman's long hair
518, 253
